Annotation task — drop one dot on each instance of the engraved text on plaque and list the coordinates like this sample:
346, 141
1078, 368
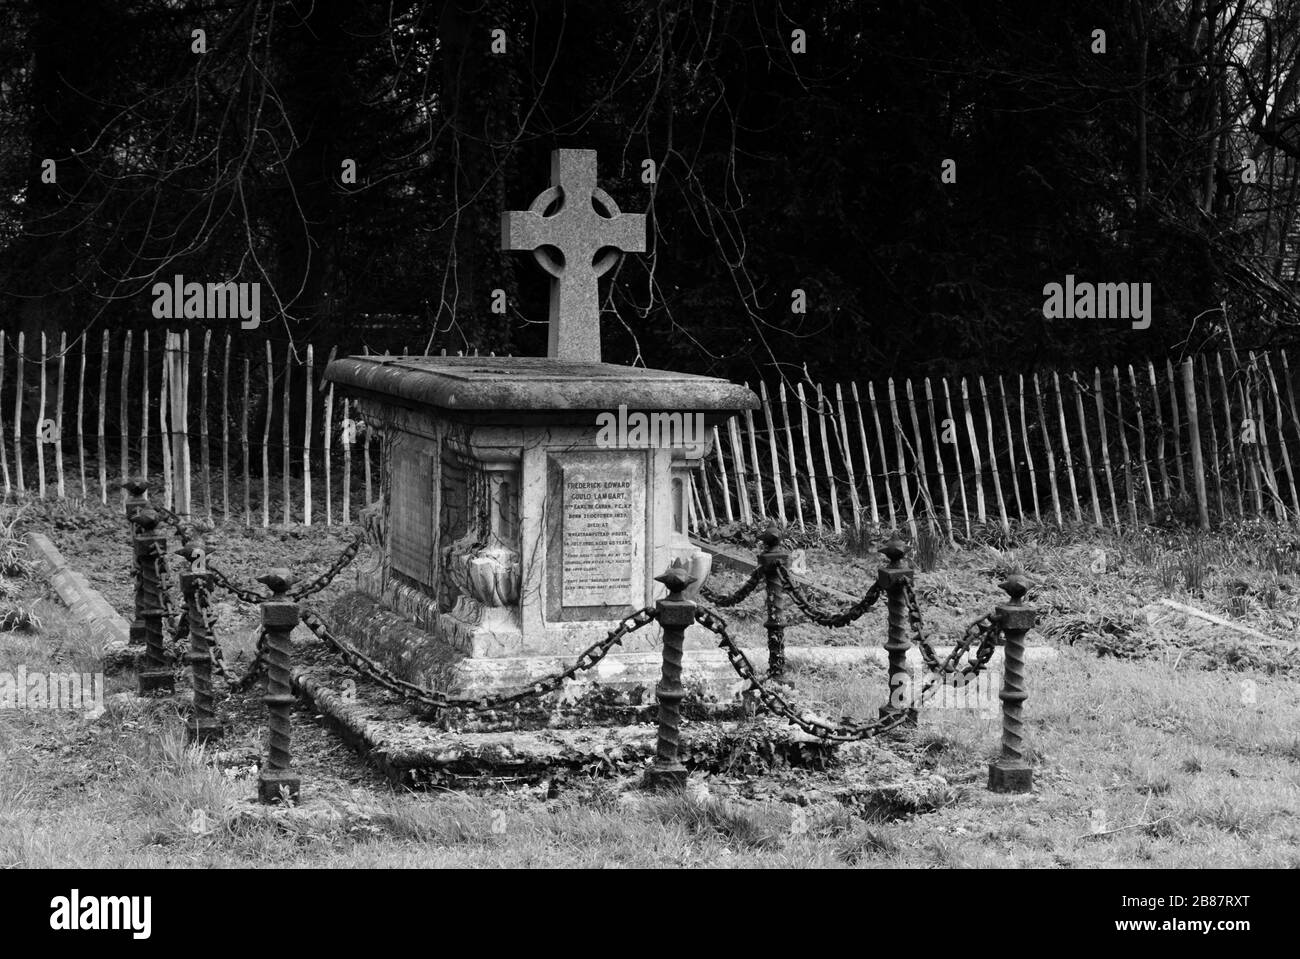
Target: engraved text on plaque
600, 550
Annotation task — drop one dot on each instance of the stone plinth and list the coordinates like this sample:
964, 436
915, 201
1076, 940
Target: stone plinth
528, 504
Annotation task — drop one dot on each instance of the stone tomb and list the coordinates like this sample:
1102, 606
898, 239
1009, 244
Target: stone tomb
519, 529
515, 534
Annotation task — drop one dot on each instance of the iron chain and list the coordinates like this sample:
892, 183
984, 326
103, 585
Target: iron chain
776, 703
230, 586
249, 595
327, 577
255, 668
986, 629
171, 518
739, 596
177, 625
434, 700
203, 602
821, 617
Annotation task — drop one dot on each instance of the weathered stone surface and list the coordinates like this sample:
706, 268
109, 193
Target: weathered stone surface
522, 524
519, 389
597, 561
103, 623
509, 518
411, 543
414, 754
578, 232
387, 636
1183, 622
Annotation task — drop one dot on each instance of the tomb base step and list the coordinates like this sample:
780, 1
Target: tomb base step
415, 754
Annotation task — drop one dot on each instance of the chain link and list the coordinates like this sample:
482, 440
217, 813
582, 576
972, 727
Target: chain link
431, 699
739, 596
255, 668
821, 617
230, 586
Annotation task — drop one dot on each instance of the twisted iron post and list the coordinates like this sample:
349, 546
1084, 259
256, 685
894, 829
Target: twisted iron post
675, 614
279, 617
1010, 773
203, 724
137, 498
771, 559
894, 578
156, 673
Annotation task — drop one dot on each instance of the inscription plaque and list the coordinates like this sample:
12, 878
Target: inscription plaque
599, 552
411, 534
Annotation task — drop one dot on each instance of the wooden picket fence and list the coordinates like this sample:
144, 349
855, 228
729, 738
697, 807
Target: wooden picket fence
1126, 446
229, 415
1210, 436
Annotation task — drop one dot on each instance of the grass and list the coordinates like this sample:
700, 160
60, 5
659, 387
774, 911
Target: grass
1186, 772
14, 568
929, 549
1150, 760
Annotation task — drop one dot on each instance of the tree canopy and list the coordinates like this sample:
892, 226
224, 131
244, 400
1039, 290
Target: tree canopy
794, 148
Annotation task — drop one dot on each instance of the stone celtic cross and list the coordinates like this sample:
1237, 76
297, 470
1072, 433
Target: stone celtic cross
588, 242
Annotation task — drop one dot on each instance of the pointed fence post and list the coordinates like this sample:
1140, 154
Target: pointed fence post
675, 614
279, 617
203, 725
893, 578
1194, 433
771, 559
1010, 773
137, 498
150, 546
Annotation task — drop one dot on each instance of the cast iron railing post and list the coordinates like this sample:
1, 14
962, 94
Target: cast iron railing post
155, 672
773, 557
204, 724
137, 498
279, 617
675, 613
1010, 773
893, 578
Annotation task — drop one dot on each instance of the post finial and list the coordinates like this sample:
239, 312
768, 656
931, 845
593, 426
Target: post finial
894, 549
277, 580
192, 550
676, 578
1015, 586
